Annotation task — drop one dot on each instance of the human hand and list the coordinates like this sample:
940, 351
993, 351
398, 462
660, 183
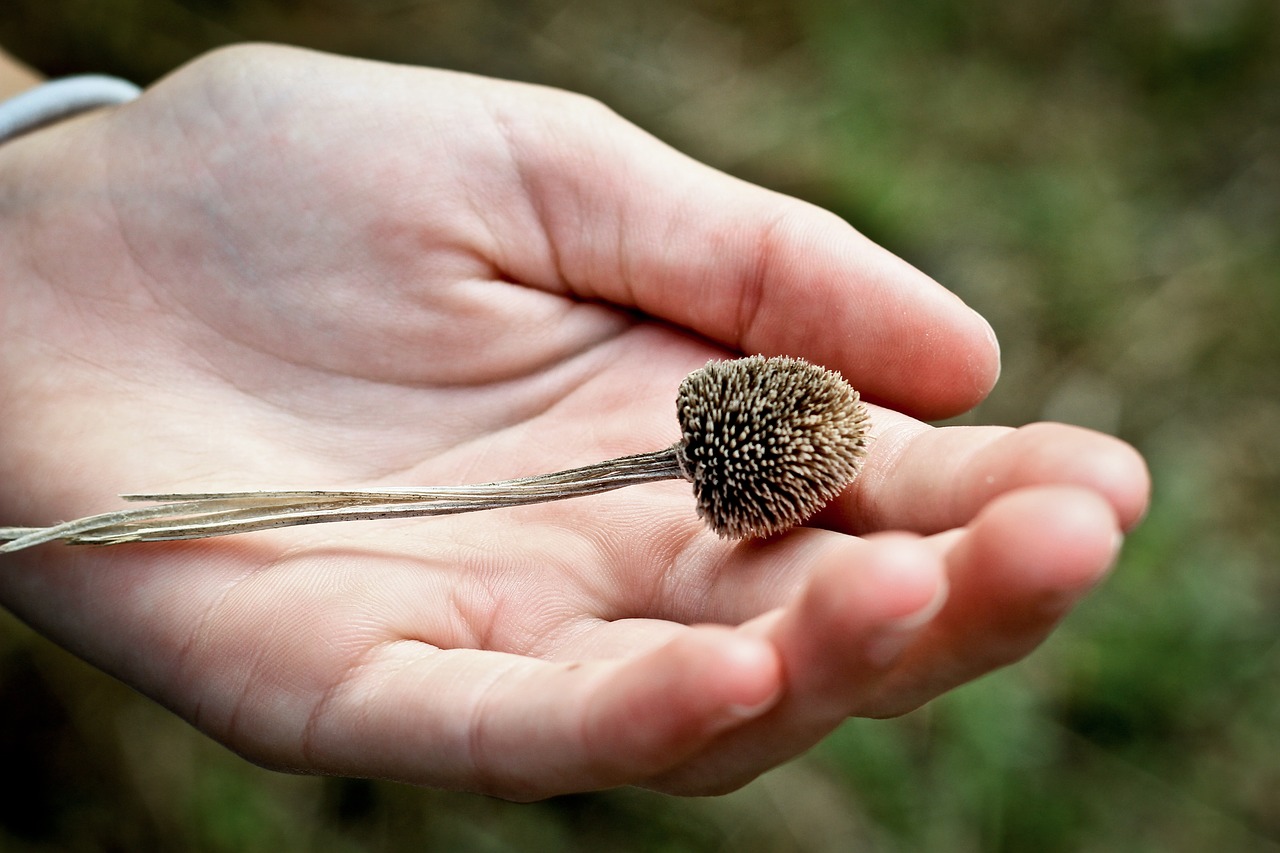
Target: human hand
280, 269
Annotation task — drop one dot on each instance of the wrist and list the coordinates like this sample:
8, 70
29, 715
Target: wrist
55, 100
25, 155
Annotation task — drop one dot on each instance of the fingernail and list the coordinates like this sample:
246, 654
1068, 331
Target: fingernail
994, 340
896, 635
1055, 604
1117, 545
756, 661
750, 712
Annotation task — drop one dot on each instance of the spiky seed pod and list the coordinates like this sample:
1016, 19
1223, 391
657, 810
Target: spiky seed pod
767, 442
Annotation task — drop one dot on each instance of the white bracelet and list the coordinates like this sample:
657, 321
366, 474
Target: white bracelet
59, 99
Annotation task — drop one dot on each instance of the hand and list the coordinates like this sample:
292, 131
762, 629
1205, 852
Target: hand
281, 269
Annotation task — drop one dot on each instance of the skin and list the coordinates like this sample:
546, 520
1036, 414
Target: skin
279, 268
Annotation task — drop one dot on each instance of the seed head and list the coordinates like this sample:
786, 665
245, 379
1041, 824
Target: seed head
767, 442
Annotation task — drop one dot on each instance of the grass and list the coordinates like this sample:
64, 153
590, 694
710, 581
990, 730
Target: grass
1103, 182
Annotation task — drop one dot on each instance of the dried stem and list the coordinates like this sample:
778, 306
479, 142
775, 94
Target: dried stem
206, 514
766, 443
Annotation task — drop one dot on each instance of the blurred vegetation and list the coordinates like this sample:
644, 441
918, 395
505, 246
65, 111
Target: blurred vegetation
1102, 180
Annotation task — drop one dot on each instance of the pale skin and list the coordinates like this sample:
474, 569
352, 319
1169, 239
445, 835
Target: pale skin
281, 269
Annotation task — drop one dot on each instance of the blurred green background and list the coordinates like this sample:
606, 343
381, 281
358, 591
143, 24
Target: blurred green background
1102, 180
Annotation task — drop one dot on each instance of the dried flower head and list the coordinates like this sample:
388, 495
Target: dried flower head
767, 442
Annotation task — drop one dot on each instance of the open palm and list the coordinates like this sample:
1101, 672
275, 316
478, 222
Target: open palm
280, 269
